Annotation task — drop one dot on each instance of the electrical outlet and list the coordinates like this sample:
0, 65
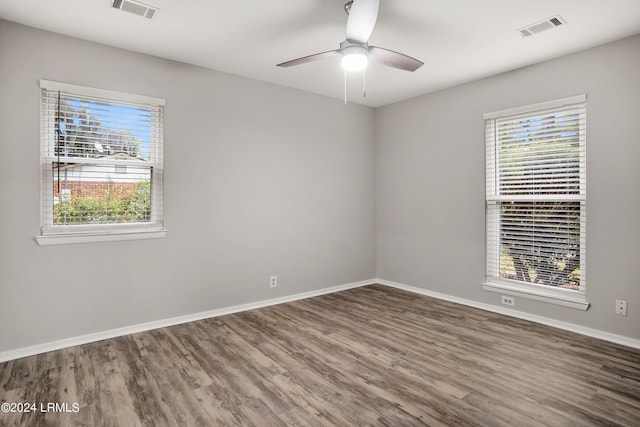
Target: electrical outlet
273, 281
621, 308
508, 300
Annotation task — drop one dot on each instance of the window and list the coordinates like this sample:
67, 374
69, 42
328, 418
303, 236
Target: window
536, 202
101, 165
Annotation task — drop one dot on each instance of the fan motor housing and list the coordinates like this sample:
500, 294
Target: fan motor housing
354, 55
349, 47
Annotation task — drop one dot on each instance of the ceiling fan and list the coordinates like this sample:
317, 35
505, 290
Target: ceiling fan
355, 50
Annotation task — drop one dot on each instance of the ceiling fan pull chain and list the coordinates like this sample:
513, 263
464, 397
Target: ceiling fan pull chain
345, 87
364, 83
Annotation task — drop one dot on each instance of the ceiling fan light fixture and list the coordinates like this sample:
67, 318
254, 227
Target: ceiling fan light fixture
354, 58
354, 62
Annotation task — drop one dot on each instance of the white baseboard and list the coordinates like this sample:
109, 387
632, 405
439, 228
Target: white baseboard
595, 333
118, 332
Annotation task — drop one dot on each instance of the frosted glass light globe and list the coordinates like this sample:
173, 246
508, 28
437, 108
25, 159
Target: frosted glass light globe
354, 62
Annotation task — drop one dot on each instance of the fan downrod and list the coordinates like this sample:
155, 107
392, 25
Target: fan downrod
347, 6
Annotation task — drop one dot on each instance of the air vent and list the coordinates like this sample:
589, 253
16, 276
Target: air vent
541, 26
136, 8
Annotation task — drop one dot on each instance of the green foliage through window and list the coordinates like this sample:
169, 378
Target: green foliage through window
110, 208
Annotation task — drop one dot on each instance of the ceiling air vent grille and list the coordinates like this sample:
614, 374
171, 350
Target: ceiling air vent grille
136, 8
541, 26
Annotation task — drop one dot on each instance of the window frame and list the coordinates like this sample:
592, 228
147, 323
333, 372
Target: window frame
52, 234
576, 299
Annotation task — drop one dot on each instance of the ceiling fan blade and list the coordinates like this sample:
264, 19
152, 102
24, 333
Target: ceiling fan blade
394, 59
362, 18
310, 58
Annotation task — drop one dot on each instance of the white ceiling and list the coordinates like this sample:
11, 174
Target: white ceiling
458, 40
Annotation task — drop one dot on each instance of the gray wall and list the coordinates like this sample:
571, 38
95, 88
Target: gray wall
259, 179
430, 182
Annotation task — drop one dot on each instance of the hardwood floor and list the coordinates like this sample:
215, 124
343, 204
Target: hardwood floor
368, 356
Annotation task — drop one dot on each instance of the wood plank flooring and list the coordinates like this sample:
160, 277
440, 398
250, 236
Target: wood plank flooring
368, 356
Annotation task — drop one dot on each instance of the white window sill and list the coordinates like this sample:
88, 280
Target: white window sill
563, 297
67, 239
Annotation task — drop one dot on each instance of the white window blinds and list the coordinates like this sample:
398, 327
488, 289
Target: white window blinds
536, 194
101, 160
